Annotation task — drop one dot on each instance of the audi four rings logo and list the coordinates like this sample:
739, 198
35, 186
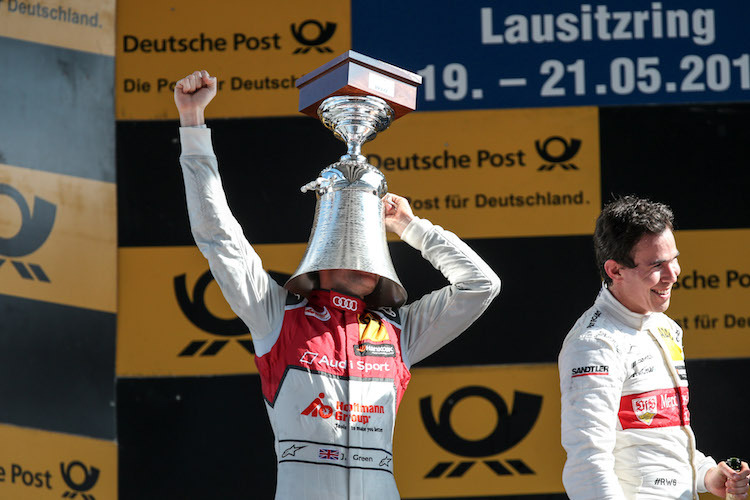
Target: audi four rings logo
345, 303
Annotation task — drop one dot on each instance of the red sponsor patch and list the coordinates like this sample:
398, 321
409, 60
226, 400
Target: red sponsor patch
660, 408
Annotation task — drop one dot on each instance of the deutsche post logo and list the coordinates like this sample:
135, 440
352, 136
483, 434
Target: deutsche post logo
569, 150
196, 311
194, 308
36, 226
511, 429
312, 34
79, 479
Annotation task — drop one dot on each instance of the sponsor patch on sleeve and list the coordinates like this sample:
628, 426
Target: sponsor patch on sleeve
584, 371
659, 408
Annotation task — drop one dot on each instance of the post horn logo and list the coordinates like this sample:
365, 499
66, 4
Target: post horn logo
197, 312
568, 152
312, 37
89, 477
510, 430
35, 229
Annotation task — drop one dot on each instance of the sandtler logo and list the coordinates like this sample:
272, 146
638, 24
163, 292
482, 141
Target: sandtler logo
35, 229
312, 34
510, 430
548, 152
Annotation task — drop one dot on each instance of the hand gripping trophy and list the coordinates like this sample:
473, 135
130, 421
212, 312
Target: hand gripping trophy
356, 97
334, 346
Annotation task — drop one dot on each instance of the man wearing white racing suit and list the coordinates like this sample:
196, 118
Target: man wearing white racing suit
332, 371
625, 421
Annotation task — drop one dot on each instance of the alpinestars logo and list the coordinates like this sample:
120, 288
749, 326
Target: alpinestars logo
510, 430
548, 153
292, 451
196, 311
79, 479
34, 231
312, 34
323, 315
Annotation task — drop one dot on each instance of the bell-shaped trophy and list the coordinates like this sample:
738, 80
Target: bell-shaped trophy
356, 97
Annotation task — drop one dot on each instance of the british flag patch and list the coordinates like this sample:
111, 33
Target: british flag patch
327, 454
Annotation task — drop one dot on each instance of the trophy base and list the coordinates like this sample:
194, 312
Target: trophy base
355, 120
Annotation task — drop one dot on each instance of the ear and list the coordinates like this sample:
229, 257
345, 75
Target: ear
614, 270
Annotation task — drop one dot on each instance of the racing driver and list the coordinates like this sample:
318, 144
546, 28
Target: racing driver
332, 370
625, 422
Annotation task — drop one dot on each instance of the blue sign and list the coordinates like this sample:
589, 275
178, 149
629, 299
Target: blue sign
526, 53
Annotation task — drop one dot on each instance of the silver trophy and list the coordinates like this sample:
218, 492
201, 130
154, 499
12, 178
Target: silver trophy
356, 97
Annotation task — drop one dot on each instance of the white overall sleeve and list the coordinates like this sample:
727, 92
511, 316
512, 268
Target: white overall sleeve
251, 293
590, 405
439, 317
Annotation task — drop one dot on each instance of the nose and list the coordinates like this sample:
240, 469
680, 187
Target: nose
673, 271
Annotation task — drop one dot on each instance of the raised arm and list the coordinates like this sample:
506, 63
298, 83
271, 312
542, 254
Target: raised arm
191, 96
439, 317
249, 290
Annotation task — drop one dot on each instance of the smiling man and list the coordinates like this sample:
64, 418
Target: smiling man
625, 422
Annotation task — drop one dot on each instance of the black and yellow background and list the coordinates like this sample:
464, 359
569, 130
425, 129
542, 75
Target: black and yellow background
118, 351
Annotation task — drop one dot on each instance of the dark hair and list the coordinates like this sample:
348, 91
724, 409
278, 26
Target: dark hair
621, 225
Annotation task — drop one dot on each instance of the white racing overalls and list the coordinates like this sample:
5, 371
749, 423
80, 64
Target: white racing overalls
332, 372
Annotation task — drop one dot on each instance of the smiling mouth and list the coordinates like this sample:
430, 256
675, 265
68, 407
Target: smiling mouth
662, 293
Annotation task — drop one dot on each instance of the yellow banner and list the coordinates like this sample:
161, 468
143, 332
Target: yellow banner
256, 49
173, 319
496, 173
479, 431
86, 25
711, 300
37, 465
58, 238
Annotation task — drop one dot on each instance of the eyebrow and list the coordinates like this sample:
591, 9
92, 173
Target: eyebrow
662, 261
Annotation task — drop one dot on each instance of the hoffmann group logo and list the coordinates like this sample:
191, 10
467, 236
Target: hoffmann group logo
511, 429
349, 412
36, 227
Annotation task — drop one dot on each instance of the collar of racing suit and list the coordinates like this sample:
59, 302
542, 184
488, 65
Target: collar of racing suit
336, 300
634, 320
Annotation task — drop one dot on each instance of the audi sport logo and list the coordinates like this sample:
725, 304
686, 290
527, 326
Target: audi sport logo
345, 303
